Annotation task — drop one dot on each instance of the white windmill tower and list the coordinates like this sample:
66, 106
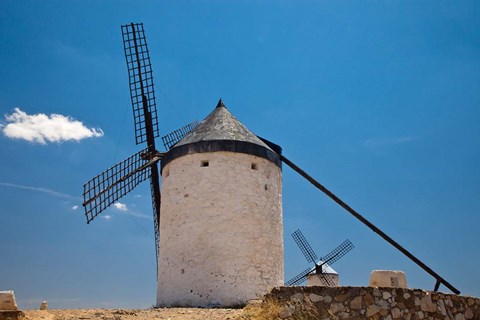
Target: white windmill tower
218, 230
221, 238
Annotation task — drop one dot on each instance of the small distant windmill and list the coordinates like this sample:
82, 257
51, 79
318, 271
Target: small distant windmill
322, 273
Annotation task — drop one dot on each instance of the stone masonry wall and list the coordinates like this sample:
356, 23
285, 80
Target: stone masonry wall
372, 303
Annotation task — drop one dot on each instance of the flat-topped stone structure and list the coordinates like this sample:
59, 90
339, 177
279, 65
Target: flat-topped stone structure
388, 278
7, 301
8, 306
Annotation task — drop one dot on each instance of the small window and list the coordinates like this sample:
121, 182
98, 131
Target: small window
204, 163
167, 173
254, 166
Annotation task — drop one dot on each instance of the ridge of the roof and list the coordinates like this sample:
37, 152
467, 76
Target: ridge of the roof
221, 124
220, 104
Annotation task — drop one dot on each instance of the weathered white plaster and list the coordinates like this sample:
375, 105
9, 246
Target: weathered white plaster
388, 278
221, 234
317, 280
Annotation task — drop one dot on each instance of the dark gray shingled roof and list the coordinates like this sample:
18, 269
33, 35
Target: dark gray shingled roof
221, 131
221, 125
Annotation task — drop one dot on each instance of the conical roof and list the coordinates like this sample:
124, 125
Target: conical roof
221, 131
326, 268
220, 124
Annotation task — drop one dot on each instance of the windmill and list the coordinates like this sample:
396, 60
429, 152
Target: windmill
106, 188
322, 273
203, 257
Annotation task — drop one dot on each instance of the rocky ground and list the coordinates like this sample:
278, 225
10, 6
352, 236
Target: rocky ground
139, 314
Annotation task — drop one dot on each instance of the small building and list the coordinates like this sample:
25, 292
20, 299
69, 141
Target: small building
388, 279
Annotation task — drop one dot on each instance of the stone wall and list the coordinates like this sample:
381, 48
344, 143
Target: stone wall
372, 303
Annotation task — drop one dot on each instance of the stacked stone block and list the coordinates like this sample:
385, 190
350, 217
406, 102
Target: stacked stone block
8, 307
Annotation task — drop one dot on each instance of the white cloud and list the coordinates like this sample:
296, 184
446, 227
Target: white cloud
387, 141
75, 207
139, 215
107, 217
39, 189
120, 206
42, 128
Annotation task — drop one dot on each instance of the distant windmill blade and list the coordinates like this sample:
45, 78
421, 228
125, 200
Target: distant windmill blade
141, 80
115, 182
173, 137
301, 277
325, 278
337, 253
304, 246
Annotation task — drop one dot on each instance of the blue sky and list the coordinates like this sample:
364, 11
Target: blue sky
379, 101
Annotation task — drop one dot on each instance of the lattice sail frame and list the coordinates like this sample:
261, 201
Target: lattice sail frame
136, 52
173, 137
301, 277
304, 246
112, 184
337, 253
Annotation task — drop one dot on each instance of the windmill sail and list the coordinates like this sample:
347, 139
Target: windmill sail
141, 81
337, 253
144, 107
114, 183
304, 246
300, 278
106, 188
173, 137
